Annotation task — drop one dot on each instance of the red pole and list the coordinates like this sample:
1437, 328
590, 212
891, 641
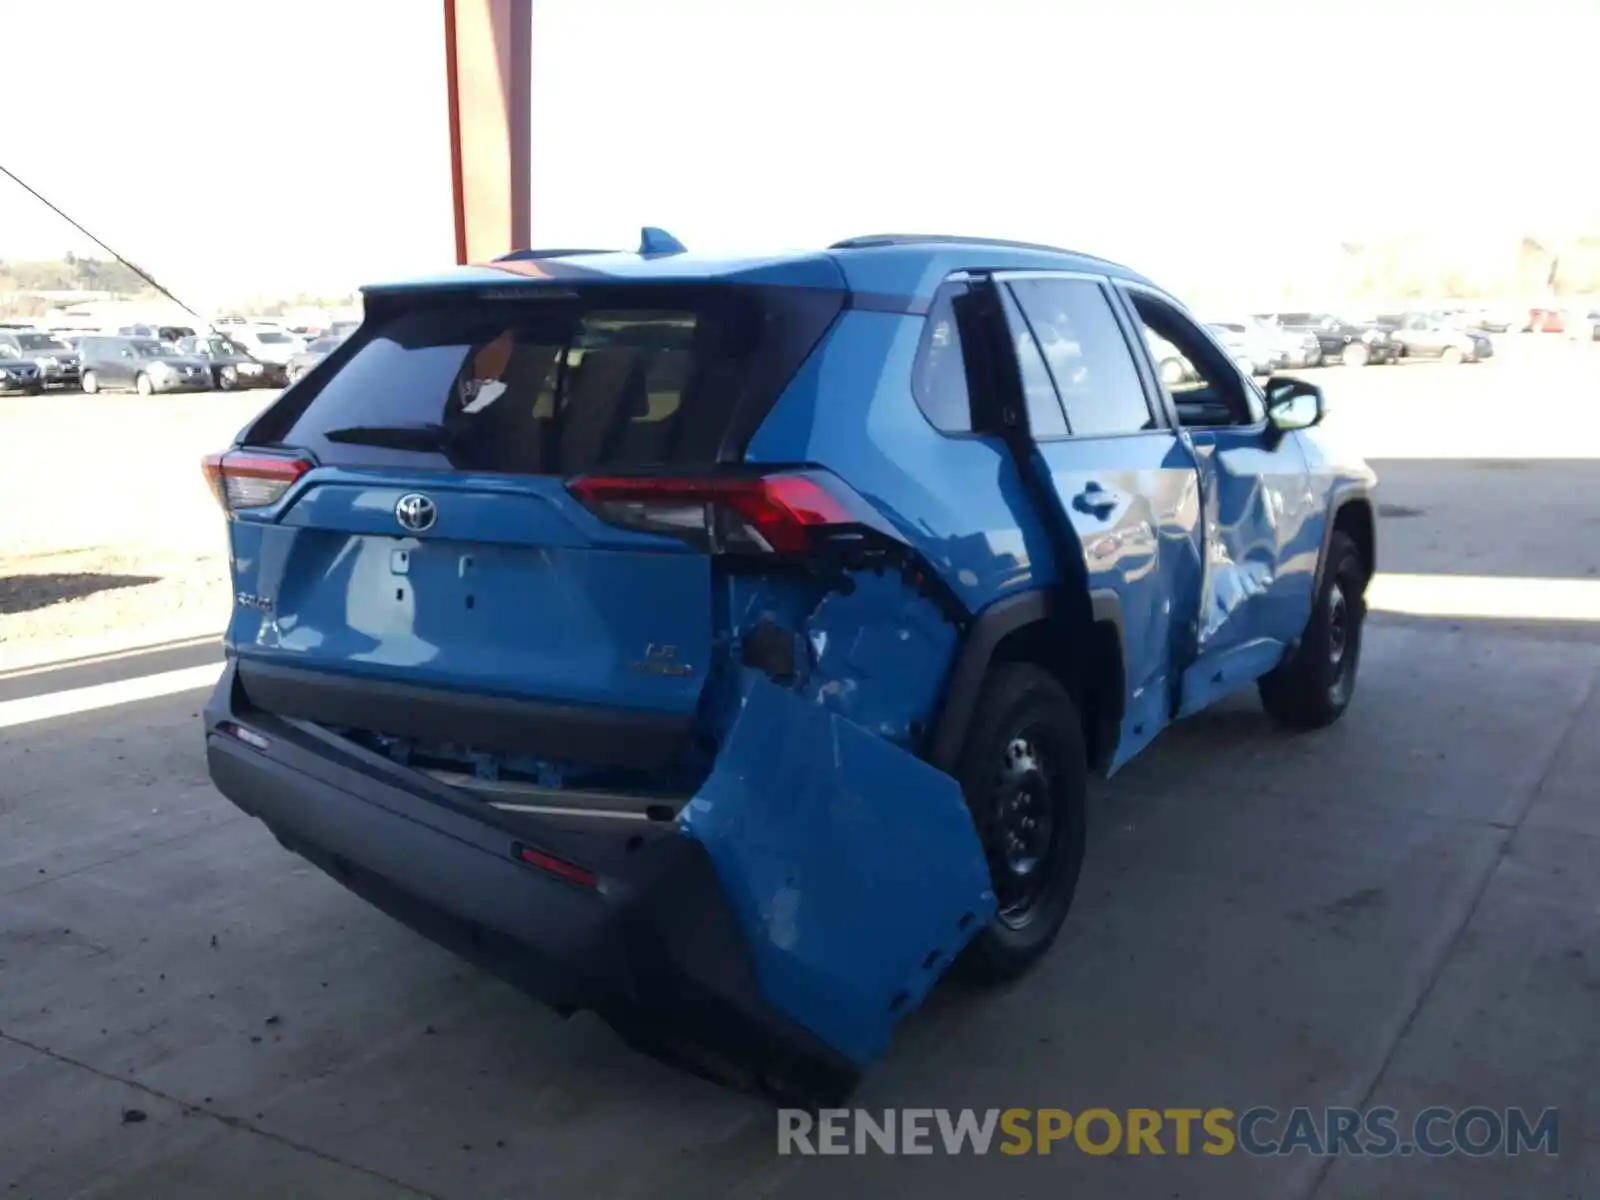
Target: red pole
488, 62
453, 96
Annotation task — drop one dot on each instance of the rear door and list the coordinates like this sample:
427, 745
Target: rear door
120, 364
1261, 538
1123, 478
439, 543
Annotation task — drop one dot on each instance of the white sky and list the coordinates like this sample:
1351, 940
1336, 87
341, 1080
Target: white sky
233, 146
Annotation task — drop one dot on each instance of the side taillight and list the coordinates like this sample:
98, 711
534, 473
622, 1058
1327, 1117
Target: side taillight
241, 479
758, 514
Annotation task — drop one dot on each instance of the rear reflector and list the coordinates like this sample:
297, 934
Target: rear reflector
244, 734
766, 514
557, 866
240, 479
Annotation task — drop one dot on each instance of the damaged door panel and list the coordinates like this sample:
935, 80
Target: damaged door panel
1255, 591
1121, 479
852, 865
1256, 596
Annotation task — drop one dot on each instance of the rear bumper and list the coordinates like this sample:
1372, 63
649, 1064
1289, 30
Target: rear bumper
654, 948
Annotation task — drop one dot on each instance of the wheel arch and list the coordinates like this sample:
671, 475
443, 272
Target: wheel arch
1353, 516
1074, 634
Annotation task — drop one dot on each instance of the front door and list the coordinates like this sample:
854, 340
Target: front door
1124, 480
1261, 536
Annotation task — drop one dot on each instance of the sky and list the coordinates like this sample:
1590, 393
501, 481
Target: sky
237, 147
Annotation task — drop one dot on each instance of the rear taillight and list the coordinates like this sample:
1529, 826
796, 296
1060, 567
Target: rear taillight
240, 479
759, 514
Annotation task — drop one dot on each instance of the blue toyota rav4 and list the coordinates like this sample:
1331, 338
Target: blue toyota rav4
723, 645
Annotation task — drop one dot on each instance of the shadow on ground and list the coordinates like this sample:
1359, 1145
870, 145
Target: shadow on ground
25, 593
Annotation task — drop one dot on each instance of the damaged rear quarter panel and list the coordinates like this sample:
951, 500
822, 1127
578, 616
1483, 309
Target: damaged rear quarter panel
852, 864
879, 656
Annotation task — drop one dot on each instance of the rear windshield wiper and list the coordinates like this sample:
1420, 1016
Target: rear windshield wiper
430, 436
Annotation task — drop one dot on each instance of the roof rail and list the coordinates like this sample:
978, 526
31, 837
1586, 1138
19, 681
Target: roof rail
529, 255
871, 240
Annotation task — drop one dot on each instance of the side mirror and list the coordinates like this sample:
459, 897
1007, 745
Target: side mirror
1294, 404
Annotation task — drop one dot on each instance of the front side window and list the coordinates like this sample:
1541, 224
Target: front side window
1087, 356
939, 374
1206, 386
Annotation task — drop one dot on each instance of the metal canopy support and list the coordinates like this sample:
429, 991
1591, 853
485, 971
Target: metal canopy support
488, 47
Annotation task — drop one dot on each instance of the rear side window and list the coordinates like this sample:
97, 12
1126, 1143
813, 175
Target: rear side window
607, 380
1045, 419
1087, 355
939, 374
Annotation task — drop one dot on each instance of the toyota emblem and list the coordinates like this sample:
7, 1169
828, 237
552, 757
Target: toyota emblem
415, 512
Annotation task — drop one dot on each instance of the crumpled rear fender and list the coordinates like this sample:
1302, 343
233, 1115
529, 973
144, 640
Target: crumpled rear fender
852, 865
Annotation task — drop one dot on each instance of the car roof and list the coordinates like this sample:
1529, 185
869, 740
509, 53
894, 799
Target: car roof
910, 266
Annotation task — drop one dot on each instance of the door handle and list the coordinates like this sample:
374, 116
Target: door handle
1096, 501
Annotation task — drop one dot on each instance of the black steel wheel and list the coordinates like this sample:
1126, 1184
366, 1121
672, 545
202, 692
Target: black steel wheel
1024, 773
1314, 686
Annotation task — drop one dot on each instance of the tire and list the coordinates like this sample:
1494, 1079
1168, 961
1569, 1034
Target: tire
1172, 372
1024, 772
1355, 354
89, 383
141, 381
1313, 687
1451, 356
227, 379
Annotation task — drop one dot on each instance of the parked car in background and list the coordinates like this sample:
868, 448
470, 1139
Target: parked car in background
143, 365
343, 329
1172, 367
171, 334
1430, 335
1492, 320
57, 361
17, 374
269, 343
1349, 343
1545, 320
1300, 348
301, 363
232, 366
1582, 323
1254, 351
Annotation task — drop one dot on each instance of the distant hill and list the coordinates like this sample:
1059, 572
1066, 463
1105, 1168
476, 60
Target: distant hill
71, 273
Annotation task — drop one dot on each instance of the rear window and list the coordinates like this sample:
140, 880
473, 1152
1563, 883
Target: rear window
610, 379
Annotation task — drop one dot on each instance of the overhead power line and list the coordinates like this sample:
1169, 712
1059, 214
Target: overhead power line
132, 266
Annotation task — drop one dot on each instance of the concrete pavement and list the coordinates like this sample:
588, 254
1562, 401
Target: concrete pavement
1400, 910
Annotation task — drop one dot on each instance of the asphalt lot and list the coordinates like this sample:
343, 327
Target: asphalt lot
1401, 910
